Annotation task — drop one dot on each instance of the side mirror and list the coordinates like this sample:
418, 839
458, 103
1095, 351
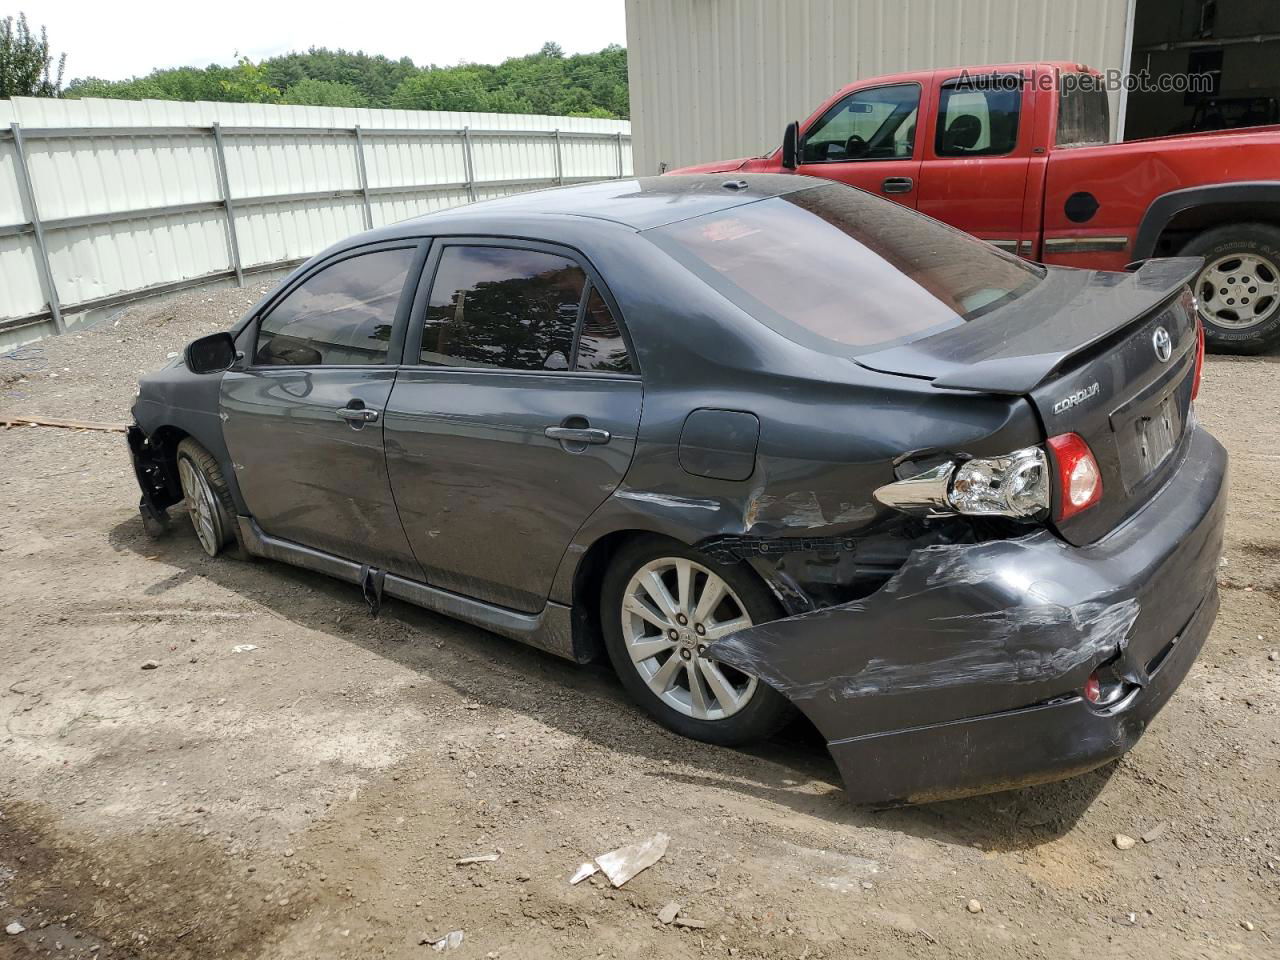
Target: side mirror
791, 145
212, 354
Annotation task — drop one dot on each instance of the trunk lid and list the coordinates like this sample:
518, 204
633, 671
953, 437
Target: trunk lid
1085, 350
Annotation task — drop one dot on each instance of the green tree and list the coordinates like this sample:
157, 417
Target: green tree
436, 89
546, 82
324, 93
26, 66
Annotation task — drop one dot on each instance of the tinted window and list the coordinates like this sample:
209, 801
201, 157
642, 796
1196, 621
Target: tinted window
979, 117
1084, 114
877, 124
343, 314
833, 265
600, 345
502, 307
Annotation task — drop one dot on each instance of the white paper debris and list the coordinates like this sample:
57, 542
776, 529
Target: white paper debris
624, 863
584, 871
448, 942
243, 648
480, 858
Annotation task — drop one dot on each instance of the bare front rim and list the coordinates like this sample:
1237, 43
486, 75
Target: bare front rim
1239, 290
200, 505
672, 609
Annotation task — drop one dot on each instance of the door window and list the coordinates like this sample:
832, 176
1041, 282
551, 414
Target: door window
502, 307
876, 124
601, 347
979, 117
341, 315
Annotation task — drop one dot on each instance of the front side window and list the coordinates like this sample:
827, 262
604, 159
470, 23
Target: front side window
502, 307
341, 315
843, 271
876, 124
978, 117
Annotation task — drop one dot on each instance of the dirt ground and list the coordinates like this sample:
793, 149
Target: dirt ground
309, 797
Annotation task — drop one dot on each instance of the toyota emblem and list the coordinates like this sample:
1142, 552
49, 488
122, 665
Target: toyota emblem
1163, 344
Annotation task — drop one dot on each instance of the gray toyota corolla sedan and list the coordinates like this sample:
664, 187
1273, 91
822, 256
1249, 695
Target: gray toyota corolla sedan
765, 442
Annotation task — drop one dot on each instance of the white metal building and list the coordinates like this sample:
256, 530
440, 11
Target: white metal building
716, 79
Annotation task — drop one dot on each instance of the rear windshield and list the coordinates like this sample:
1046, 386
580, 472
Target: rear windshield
831, 266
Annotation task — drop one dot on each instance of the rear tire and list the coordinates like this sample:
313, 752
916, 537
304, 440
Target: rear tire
1238, 289
728, 708
206, 497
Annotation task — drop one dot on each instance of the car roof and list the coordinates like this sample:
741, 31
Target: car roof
640, 203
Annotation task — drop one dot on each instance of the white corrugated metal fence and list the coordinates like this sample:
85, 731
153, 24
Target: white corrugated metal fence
102, 201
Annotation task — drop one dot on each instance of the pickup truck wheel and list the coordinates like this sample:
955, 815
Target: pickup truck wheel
1238, 289
661, 605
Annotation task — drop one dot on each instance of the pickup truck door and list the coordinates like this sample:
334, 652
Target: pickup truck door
977, 155
867, 139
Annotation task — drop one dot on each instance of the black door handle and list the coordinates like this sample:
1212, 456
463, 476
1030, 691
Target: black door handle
897, 185
578, 434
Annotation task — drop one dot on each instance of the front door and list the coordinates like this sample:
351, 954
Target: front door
974, 175
518, 420
303, 419
868, 140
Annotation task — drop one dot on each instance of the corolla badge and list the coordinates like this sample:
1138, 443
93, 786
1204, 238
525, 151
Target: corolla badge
1080, 396
1163, 344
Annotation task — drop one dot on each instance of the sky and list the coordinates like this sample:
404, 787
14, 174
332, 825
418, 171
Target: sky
114, 41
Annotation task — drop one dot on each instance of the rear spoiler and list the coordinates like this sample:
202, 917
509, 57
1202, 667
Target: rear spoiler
1015, 349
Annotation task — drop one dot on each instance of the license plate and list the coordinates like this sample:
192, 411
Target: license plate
1157, 436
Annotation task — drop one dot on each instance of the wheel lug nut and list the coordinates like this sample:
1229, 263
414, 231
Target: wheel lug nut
672, 635
684, 654
682, 619
699, 629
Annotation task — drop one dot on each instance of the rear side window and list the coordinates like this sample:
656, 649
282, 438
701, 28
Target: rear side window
600, 344
343, 314
978, 117
843, 271
502, 307
1084, 113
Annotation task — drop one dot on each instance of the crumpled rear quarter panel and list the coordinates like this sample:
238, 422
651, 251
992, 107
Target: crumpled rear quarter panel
970, 630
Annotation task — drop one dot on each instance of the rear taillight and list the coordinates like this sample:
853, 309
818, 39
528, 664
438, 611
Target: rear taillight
1192, 309
1079, 479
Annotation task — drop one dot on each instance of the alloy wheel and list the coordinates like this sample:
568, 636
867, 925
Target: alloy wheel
672, 609
1239, 290
198, 496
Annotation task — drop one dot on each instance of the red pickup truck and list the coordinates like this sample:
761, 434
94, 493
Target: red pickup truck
1019, 155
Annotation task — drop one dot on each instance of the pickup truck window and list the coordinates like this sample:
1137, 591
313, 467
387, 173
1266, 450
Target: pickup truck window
875, 124
978, 118
843, 271
1084, 113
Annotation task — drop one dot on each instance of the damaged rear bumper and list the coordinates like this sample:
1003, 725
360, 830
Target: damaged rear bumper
964, 673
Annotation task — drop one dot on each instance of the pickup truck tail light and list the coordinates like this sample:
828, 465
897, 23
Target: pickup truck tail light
1079, 479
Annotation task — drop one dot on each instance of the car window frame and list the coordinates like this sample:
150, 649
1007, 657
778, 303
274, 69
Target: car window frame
840, 105
950, 82
417, 314
399, 325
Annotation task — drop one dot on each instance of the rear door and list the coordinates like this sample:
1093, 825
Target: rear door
868, 139
976, 157
303, 416
514, 417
